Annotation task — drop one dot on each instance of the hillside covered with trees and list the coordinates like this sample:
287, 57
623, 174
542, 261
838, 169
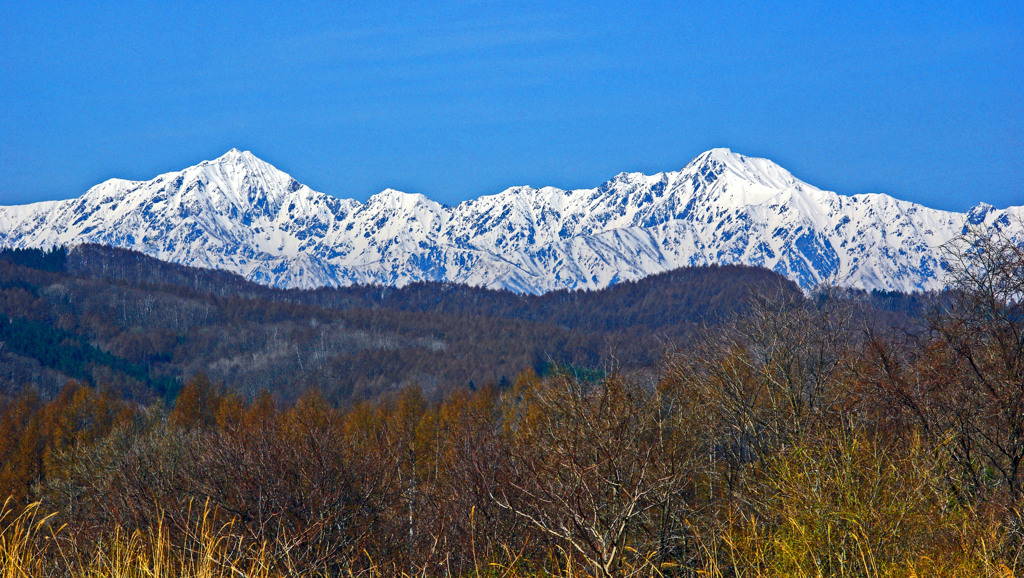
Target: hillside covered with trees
139, 327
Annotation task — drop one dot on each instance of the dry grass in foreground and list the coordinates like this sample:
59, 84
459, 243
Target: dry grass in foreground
31, 546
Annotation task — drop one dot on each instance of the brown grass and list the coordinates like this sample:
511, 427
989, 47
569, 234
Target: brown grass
847, 506
796, 542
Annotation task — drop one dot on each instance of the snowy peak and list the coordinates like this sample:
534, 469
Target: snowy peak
234, 154
977, 214
731, 178
239, 213
394, 199
235, 157
240, 180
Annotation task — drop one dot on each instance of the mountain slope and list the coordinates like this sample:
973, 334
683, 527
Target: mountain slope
240, 214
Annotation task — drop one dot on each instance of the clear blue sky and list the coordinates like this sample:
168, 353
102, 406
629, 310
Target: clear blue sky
924, 101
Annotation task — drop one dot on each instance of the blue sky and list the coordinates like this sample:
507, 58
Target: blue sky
924, 101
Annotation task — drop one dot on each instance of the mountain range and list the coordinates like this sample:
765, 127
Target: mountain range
241, 214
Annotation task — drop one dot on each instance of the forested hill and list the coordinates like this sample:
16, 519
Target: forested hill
689, 295
124, 321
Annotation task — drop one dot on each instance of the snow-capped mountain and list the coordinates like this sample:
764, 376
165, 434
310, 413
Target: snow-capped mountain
241, 214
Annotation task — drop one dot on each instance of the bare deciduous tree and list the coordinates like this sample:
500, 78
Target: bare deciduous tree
980, 388
588, 468
773, 375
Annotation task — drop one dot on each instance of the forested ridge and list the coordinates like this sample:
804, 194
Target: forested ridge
706, 422
135, 325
